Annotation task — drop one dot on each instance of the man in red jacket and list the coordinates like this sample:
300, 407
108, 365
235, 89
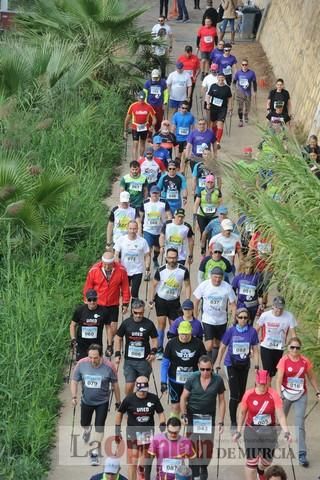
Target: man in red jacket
110, 280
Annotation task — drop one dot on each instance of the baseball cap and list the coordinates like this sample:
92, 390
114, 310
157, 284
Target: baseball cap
90, 294
157, 139
217, 271
222, 209
155, 189
209, 178
279, 302
187, 305
149, 149
185, 327
217, 247
262, 377
180, 211
214, 67
179, 65
155, 73
111, 465
227, 224
124, 197
141, 95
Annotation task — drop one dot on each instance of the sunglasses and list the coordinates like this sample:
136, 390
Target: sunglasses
227, 49
205, 369
217, 251
243, 318
184, 108
295, 347
171, 168
92, 299
244, 64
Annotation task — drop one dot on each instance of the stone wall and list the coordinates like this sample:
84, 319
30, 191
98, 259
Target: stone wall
290, 36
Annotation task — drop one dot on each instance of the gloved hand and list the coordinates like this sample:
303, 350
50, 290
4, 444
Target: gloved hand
164, 387
73, 344
162, 426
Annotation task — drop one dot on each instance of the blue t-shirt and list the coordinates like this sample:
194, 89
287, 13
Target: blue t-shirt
246, 287
162, 154
155, 91
214, 227
239, 345
244, 81
225, 64
200, 141
197, 330
200, 171
183, 122
215, 55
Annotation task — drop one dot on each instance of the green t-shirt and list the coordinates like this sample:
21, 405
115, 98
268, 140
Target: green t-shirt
135, 186
208, 209
208, 264
203, 401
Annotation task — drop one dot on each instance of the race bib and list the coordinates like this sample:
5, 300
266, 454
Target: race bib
143, 438
135, 352
170, 465
172, 194
92, 381
202, 424
89, 332
172, 292
208, 39
142, 127
227, 70
136, 187
190, 72
155, 90
229, 251
295, 383
154, 221
262, 419
209, 209
215, 303
181, 83
199, 149
182, 375
275, 343
264, 248
183, 131
202, 182
131, 257
217, 101
248, 290
240, 348
243, 82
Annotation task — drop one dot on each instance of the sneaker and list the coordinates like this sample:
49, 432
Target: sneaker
179, 19
94, 460
86, 435
186, 20
159, 354
240, 123
155, 263
303, 461
246, 119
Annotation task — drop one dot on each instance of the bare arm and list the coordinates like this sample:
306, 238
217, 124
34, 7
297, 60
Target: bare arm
153, 289
118, 418
73, 329
222, 407
74, 389
233, 308
191, 245
255, 350
117, 343
221, 352
282, 419
162, 418
187, 288
147, 260
126, 122
188, 150
109, 231
196, 307
242, 412
116, 390
183, 401
279, 380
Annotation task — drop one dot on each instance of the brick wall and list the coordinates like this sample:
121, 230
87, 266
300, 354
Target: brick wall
291, 39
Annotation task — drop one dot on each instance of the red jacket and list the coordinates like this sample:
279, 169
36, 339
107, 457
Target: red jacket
108, 292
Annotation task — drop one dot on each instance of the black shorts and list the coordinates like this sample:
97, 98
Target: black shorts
136, 135
175, 391
168, 308
217, 114
213, 331
182, 146
260, 441
113, 314
270, 359
135, 436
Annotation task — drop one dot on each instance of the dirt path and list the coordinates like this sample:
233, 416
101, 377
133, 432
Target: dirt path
65, 466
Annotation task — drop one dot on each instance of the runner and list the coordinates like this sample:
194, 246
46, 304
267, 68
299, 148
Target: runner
207, 202
160, 153
173, 186
111, 470
142, 118
96, 374
260, 249
201, 170
241, 342
178, 234
293, 370
227, 63
170, 449
198, 407
139, 333
244, 80
231, 244
162, 24
258, 410
133, 252
214, 260
217, 296
247, 285
140, 408
136, 184
179, 361
278, 118
206, 39
151, 167
187, 316
155, 213
276, 325
168, 138
179, 85
87, 323
209, 80
191, 65
200, 139
156, 95
110, 280
217, 52
279, 94
161, 50
165, 293
213, 227
119, 219
182, 124
219, 101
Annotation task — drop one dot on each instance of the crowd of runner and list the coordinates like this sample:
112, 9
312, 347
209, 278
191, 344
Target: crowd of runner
223, 320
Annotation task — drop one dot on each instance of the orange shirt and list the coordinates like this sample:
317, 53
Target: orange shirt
207, 36
142, 114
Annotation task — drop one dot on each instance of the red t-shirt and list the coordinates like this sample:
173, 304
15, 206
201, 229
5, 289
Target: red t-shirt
207, 36
294, 372
262, 249
190, 65
142, 114
261, 407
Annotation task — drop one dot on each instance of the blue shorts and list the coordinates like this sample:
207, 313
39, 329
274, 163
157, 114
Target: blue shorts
152, 240
174, 103
225, 23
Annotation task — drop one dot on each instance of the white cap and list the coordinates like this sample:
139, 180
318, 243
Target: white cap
111, 465
227, 224
124, 197
155, 73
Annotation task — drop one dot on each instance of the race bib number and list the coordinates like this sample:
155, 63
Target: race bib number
183, 131
295, 383
217, 101
190, 72
135, 352
172, 292
202, 182
240, 348
262, 419
131, 257
89, 332
275, 343
182, 375
143, 438
209, 209
202, 424
208, 39
229, 251
182, 83
227, 70
243, 82
172, 194
155, 90
154, 221
264, 248
199, 149
142, 127
215, 303
170, 465
92, 381
136, 187
248, 290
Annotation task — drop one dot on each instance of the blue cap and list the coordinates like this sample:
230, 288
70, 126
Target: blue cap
155, 189
149, 149
187, 305
179, 65
222, 209
157, 139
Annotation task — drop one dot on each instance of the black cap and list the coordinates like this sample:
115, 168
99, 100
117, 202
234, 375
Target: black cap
90, 294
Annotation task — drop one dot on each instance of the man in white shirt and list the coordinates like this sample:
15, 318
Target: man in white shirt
209, 80
119, 219
231, 243
134, 253
216, 295
178, 234
179, 84
162, 31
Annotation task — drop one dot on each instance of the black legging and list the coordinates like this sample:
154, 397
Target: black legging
101, 415
237, 378
203, 222
164, 3
135, 282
